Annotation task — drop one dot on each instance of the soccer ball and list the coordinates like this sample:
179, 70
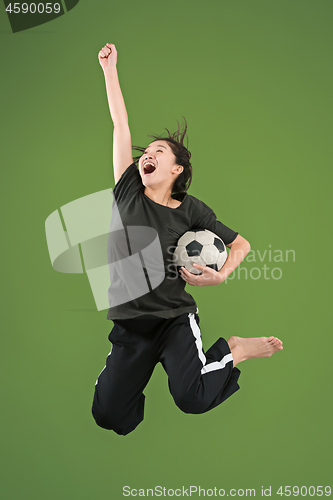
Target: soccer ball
202, 247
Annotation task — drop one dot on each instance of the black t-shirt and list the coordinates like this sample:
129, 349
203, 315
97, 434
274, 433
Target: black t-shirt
169, 299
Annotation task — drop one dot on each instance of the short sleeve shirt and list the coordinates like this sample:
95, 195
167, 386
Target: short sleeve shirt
169, 299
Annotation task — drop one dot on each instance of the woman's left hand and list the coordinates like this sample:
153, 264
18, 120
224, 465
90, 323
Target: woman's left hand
208, 277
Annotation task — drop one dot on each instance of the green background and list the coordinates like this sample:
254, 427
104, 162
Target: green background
253, 79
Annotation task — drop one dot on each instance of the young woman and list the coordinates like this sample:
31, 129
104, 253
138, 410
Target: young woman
162, 325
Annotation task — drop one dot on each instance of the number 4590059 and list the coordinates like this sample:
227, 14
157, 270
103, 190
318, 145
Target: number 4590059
32, 8
303, 491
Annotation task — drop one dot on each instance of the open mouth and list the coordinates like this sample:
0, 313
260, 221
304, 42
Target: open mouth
148, 168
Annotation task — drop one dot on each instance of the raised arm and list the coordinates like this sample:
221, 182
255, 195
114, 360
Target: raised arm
122, 144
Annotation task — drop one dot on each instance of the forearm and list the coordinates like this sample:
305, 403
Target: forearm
238, 251
115, 98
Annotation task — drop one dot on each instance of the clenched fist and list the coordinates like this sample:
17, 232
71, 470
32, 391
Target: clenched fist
108, 56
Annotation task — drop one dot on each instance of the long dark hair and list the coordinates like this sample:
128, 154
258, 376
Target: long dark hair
182, 156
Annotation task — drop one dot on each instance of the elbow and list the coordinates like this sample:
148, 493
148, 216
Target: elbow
241, 245
244, 244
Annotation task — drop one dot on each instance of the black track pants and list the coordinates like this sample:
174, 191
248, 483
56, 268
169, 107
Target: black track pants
198, 381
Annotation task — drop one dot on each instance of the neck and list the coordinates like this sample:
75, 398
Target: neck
161, 196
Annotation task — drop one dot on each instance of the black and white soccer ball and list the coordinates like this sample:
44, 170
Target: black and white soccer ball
202, 247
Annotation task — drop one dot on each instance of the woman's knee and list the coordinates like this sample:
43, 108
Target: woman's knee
114, 416
190, 403
112, 422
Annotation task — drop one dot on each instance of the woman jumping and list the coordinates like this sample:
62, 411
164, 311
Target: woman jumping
162, 325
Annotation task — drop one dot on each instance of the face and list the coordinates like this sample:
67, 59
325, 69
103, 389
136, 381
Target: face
157, 165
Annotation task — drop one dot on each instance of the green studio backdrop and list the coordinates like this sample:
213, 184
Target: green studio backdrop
253, 79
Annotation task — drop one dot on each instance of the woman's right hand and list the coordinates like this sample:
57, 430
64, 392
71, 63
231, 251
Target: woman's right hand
107, 56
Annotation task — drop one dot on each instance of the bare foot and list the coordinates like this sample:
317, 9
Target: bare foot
258, 347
